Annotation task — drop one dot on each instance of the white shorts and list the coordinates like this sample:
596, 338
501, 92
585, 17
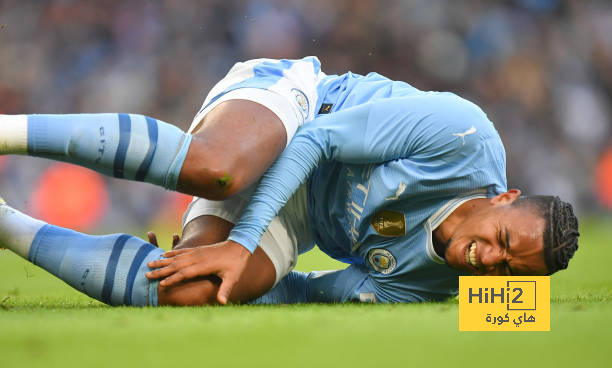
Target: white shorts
288, 89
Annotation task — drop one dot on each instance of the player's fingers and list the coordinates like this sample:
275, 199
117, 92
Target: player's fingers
152, 238
188, 270
225, 289
171, 280
168, 267
160, 263
160, 273
176, 252
177, 277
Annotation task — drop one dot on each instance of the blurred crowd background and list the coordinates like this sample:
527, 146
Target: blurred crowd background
541, 69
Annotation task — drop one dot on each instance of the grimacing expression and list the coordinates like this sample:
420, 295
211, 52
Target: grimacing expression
499, 240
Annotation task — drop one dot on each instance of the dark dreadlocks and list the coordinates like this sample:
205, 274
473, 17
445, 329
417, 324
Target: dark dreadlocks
561, 230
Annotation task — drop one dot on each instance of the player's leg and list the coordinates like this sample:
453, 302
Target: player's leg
239, 132
112, 268
237, 142
232, 147
108, 268
236, 135
126, 146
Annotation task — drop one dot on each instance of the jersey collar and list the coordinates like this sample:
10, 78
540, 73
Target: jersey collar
441, 214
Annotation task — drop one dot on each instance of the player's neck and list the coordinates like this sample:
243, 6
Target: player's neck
443, 233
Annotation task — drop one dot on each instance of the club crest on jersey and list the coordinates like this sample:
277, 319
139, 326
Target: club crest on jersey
302, 102
382, 260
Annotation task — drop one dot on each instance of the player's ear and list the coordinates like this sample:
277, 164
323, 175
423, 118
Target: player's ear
506, 198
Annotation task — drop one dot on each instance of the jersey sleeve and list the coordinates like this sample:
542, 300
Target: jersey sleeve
422, 126
353, 284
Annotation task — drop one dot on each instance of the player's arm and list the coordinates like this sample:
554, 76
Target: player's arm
384, 130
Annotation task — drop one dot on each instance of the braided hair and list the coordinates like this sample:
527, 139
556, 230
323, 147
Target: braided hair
560, 232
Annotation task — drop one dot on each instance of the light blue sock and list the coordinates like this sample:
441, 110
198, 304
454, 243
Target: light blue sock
129, 146
108, 268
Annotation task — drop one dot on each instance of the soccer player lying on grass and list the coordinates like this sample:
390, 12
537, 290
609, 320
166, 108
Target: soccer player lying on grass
406, 186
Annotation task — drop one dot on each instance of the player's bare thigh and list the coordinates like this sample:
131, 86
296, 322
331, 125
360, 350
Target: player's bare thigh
258, 277
233, 146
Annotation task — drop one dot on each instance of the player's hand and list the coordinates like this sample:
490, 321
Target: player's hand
227, 260
153, 239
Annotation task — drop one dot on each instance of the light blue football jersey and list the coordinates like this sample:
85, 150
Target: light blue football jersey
385, 164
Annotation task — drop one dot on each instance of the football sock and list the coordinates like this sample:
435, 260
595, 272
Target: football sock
109, 268
129, 146
17, 230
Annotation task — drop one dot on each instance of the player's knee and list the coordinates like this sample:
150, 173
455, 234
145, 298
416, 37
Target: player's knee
228, 177
214, 175
218, 181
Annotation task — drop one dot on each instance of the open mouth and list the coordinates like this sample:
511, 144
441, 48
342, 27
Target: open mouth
470, 255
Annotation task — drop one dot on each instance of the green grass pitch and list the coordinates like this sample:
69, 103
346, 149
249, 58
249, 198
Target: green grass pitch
44, 323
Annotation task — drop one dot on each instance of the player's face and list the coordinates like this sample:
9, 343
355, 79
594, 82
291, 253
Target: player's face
499, 240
